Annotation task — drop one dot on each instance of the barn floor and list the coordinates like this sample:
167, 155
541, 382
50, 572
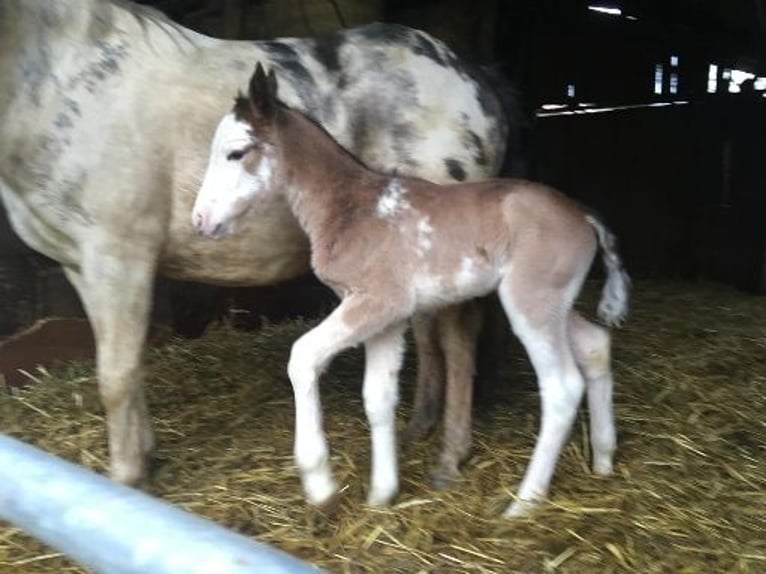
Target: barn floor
689, 493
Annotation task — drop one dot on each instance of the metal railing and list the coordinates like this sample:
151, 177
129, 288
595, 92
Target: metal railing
114, 529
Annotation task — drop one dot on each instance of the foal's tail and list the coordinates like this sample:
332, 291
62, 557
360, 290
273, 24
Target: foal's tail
613, 307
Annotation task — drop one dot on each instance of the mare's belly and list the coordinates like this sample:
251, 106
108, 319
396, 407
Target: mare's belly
265, 247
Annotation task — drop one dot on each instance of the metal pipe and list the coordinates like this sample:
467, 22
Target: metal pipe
114, 529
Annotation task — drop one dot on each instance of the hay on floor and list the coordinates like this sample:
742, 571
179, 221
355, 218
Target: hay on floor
688, 495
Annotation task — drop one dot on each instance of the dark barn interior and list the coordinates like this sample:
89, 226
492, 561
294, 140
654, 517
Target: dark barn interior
651, 113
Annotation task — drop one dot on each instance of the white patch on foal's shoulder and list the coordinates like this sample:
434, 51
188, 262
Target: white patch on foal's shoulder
424, 231
392, 200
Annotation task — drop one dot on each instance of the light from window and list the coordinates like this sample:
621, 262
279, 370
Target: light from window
606, 10
712, 79
674, 83
736, 78
674, 61
570, 91
658, 79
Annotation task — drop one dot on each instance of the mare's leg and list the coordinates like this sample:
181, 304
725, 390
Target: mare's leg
591, 346
356, 319
429, 389
115, 285
539, 318
384, 353
458, 328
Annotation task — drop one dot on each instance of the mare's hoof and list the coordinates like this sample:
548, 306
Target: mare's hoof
135, 475
417, 429
444, 477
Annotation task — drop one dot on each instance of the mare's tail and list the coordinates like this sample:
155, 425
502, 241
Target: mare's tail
613, 307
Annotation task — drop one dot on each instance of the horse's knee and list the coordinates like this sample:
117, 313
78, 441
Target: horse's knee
591, 346
303, 365
380, 403
116, 386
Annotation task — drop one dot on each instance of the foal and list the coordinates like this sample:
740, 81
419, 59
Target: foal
392, 246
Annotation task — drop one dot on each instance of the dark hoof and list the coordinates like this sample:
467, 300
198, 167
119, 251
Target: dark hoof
330, 506
154, 465
417, 430
443, 477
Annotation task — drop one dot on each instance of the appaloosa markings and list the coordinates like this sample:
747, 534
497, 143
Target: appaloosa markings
106, 114
410, 246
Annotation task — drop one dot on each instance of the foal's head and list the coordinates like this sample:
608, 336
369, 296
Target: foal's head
243, 159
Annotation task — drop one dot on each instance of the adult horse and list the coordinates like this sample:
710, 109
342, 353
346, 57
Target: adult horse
106, 112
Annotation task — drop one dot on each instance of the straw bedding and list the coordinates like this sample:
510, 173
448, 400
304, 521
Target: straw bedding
688, 495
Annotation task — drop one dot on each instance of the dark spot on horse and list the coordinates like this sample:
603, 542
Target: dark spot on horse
35, 68
425, 47
402, 141
474, 142
342, 81
238, 65
387, 33
278, 50
328, 111
482, 253
360, 134
62, 121
287, 59
108, 64
73, 106
455, 169
327, 51
406, 88
100, 23
50, 17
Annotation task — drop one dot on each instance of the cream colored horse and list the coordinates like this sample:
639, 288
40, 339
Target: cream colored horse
106, 113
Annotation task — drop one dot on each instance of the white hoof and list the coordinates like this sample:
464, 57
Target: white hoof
381, 497
320, 488
603, 466
520, 509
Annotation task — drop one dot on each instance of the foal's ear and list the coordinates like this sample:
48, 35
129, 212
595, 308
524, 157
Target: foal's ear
263, 92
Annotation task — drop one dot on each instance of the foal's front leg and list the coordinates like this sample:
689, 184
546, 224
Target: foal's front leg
357, 318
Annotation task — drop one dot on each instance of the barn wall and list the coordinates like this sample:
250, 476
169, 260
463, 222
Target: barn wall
682, 185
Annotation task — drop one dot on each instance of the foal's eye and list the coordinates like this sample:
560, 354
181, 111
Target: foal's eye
235, 155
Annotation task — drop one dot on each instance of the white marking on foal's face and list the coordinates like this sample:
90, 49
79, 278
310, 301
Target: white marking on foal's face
392, 201
229, 188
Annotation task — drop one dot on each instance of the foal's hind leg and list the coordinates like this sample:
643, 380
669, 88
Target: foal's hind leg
591, 346
539, 319
116, 290
458, 329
